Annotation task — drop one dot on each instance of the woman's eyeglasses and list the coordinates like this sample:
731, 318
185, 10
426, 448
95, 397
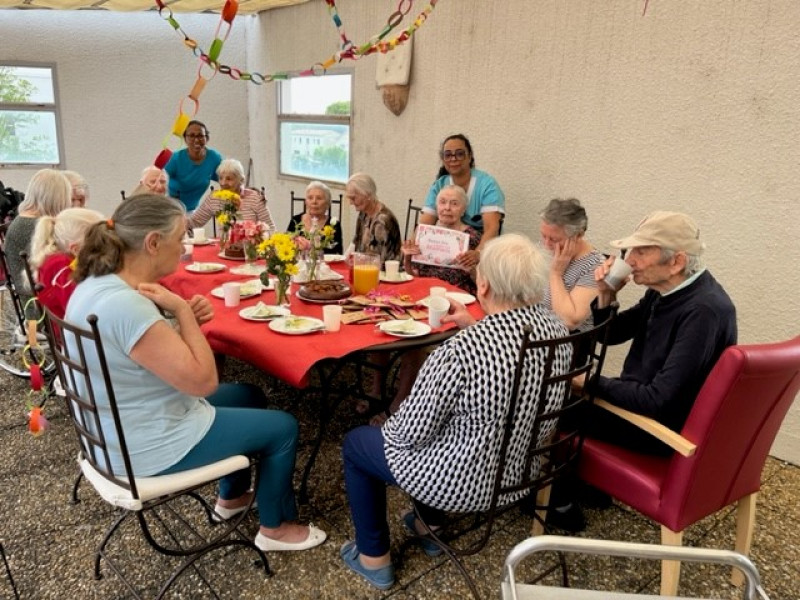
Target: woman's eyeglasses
196, 136
455, 154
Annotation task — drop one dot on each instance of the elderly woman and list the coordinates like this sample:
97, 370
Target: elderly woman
457, 405
574, 260
55, 245
451, 203
193, 168
377, 229
80, 189
253, 206
152, 181
165, 380
318, 206
49, 192
485, 199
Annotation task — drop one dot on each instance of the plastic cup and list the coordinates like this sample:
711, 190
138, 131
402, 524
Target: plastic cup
366, 272
332, 317
437, 308
231, 291
392, 268
617, 274
437, 290
199, 234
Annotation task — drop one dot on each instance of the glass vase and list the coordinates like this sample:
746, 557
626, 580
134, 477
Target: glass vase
224, 235
250, 253
282, 283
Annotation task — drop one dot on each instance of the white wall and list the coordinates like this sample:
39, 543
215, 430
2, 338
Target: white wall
692, 107
120, 79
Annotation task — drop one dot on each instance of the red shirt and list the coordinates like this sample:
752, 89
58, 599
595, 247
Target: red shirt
55, 277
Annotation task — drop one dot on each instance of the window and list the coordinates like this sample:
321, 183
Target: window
29, 123
314, 127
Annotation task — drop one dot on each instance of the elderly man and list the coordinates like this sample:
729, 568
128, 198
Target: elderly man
153, 181
677, 331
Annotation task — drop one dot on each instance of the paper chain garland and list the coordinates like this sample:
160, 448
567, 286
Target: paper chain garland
209, 60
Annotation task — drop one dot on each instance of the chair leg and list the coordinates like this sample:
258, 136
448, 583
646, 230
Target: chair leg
670, 569
542, 499
745, 522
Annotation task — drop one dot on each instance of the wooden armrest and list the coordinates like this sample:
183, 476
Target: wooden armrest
674, 440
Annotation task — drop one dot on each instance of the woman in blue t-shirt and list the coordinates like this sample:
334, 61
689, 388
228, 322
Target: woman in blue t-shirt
193, 168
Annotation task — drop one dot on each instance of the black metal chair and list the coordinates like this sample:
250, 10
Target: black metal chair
8, 572
161, 504
122, 193
544, 462
412, 216
298, 205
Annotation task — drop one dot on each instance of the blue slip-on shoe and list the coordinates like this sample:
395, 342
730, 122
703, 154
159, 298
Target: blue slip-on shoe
430, 547
382, 578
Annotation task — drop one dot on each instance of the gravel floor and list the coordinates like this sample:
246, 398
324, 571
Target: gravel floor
50, 542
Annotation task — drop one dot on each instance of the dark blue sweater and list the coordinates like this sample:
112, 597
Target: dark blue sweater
677, 339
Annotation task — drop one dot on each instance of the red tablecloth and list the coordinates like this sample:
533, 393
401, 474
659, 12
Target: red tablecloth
288, 357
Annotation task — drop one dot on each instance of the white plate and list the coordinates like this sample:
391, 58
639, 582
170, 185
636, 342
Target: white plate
263, 312
226, 257
249, 289
462, 297
296, 325
405, 328
331, 276
204, 267
251, 269
401, 277
332, 258
191, 241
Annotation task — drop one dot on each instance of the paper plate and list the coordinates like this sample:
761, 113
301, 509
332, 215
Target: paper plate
406, 328
462, 297
296, 325
263, 312
401, 277
249, 289
205, 267
333, 258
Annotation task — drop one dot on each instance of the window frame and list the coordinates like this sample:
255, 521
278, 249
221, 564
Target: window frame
54, 108
285, 117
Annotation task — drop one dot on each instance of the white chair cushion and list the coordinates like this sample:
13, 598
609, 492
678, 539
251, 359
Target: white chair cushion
159, 485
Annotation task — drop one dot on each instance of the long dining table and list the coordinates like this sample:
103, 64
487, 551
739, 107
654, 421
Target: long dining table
293, 358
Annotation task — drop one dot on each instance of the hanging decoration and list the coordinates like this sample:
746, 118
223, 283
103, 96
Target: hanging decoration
209, 61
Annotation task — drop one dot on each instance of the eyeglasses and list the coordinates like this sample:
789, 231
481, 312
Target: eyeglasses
457, 154
196, 136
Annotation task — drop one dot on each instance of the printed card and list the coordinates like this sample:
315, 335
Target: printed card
440, 246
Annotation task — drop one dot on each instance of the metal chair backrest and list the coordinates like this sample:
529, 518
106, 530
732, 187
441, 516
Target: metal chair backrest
122, 193
298, 205
8, 280
83, 371
412, 216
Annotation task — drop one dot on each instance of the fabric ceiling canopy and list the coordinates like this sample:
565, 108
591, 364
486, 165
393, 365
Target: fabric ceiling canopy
245, 6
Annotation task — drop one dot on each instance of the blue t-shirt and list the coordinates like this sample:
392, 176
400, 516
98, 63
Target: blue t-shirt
188, 181
160, 423
483, 195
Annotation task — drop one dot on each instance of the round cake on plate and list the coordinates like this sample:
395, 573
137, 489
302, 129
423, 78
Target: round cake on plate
324, 291
234, 250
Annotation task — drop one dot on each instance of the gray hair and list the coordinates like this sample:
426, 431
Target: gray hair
364, 184
515, 269
76, 180
49, 192
693, 262
57, 233
318, 185
568, 214
107, 242
231, 166
462, 195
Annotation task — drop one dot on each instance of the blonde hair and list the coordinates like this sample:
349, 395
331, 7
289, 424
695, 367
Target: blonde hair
106, 243
49, 192
515, 269
58, 233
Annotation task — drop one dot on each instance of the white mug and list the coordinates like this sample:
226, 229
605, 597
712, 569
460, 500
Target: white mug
437, 308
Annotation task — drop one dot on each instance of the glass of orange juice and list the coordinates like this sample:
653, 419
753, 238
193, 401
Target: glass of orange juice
366, 271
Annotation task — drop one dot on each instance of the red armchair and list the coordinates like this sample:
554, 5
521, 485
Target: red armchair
719, 454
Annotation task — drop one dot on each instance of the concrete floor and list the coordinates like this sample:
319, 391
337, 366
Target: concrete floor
50, 542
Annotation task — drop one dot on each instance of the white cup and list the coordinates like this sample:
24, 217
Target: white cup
199, 234
437, 308
231, 291
392, 268
332, 316
437, 290
188, 252
618, 272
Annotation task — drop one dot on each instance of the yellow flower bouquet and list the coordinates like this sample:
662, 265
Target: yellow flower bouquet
229, 202
281, 253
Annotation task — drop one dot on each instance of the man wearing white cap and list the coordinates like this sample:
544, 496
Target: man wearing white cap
677, 330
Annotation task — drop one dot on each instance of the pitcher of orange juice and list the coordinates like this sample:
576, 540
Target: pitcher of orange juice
366, 271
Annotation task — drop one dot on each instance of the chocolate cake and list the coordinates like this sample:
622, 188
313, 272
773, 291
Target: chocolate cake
234, 250
322, 291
